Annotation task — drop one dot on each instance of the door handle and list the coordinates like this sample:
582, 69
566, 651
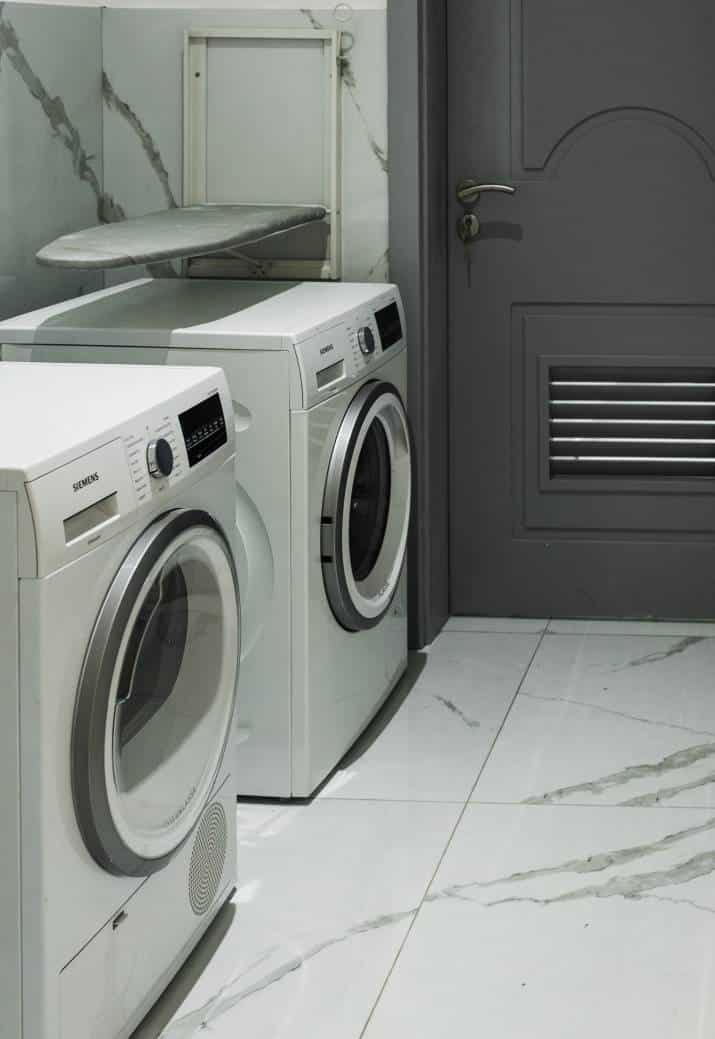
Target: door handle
469, 191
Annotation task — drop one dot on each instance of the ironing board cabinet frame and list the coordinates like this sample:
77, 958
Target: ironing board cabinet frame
196, 90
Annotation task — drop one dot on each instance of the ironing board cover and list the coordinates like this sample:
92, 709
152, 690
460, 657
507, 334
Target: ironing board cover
173, 234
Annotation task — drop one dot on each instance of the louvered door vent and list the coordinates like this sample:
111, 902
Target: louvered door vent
636, 422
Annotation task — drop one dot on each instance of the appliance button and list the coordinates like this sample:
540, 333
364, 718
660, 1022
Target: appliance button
159, 458
366, 340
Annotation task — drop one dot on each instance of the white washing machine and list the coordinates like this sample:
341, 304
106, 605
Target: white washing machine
118, 663
318, 376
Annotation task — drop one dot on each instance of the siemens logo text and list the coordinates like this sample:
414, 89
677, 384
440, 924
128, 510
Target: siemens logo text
85, 482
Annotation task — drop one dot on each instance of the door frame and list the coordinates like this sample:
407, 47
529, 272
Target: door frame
419, 217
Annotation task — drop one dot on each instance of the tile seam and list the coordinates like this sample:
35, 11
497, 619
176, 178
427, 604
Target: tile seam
447, 846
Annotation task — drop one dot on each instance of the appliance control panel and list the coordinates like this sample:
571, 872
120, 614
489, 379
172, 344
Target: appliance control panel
155, 459
162, 453
348, 350
85, 501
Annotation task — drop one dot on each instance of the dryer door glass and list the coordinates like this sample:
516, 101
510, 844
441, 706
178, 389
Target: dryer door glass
164, 704
369, 501
366, 507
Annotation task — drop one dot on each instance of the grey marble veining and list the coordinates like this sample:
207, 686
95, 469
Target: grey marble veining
624, 720
350, 83
59, 119
471, 723
50, 146
524, 947
381, 268
681, 646
65, 129
596, 862
315, 24
669, 793
149, 145
631, 886
681, 759
232, 994
636, 886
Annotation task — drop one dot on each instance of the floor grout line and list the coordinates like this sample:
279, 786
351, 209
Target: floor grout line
578, 634
394, 800
450, 839
625, 634
493, 631
670, 807
343, 800
477, 801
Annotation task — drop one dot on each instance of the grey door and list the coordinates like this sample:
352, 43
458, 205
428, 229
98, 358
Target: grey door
582, 356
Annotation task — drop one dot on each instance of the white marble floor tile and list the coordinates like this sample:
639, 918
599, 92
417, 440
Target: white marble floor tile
509, 625
610, 720
433, 736
704, 629
326, 894
549, 923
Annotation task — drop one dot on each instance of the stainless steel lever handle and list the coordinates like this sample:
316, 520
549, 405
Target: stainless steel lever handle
469, 191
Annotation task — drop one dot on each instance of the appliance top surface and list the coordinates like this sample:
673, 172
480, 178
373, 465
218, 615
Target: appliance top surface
50, 409
191, 312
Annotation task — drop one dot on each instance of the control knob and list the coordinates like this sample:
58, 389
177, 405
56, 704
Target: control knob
366, 341
159, 458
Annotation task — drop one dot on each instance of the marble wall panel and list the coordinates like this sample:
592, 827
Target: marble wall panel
50, 146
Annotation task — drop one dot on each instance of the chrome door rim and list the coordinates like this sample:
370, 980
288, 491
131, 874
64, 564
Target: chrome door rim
358, 606
94, 713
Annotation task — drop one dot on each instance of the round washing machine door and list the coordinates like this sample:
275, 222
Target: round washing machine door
156, 695
366, 507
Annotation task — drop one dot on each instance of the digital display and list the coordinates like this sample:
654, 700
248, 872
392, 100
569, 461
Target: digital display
204, 429
389, 325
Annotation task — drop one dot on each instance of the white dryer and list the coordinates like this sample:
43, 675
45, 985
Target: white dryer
318, 375
118, 664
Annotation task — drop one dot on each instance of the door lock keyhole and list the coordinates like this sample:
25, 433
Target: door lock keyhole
468, 227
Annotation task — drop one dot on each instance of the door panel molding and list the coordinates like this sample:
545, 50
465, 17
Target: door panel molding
548, 336
600, 120
560, 89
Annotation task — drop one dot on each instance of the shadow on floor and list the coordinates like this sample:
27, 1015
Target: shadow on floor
162, 1013
415, 666
173, 996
